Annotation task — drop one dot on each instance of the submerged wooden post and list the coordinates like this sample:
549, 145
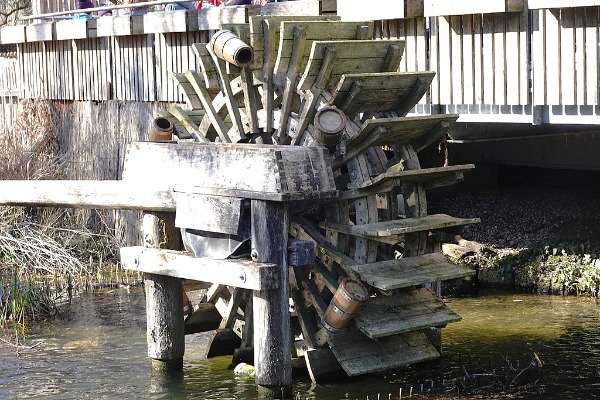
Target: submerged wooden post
272, 338
164, 304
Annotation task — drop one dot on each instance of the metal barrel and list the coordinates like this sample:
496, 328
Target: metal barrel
345, 303
161, 130
231, 48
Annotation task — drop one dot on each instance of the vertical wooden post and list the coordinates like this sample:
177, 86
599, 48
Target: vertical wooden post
272, 340
164, 297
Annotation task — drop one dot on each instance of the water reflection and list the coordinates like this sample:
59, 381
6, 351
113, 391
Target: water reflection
99, 351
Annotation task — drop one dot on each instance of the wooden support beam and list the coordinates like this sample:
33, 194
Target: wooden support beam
164, 298
239, 273
116, 195
272, 332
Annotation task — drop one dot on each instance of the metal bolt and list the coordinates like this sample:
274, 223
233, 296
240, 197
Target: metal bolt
254, 255
353, 174
243, 277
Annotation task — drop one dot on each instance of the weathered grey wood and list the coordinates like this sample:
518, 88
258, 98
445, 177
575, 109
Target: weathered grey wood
289, 8
212, 213
358, 355
163, 22
164, 297
322, 365
357, 56
239, 273
434, 8
386, 91
40, 32
254, 171
412, 271
301, 252
401, 226
212, 18
306, 320
12, 34
272, 357
312, 30
117, 195
419, 131
426, 175
76, 29
120, 25
403, 312
186, 122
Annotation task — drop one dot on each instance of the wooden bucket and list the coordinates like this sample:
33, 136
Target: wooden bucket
345, 303
227, 46
161, 130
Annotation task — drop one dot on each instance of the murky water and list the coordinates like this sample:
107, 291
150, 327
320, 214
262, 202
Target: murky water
99, 351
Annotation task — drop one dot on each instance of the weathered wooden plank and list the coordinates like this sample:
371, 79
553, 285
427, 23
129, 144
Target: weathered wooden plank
456, 60
239, 273
76, 29
566, 45
444, 54
13, 34
403, 312
513, 58
413, 175
488, 75
477, 59
538, 53
352, 56
133, 195
291, 8
419, 131
499, 60
411, 271
358, 355
179, 21
385, 91
434, 8
580, 52
401, 226
120, 25
355, 10
591, 57
312, 31
541, 4
468, 57
552, 56
258, 170
212, 18
40, 32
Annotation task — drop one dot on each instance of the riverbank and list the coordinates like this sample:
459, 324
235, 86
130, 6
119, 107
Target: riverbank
540, 230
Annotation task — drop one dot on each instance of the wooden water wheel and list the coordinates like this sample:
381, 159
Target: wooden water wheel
310, 78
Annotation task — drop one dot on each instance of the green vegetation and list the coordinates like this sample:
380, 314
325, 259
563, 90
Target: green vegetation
566, 268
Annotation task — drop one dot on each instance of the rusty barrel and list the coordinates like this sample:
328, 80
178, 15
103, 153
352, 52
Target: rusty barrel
227, 46
345, 303
161, 130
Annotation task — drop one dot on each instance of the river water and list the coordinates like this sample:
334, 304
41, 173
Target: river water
97, 350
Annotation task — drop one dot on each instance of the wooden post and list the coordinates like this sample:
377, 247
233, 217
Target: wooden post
272, 337
164, 298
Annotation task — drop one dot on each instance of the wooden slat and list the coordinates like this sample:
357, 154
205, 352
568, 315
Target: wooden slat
456, 61
538, 53
540, 4
413, 175
419, 131
468, 57
358, 355
442, 7
568, 78
125, 195
500, 60
313, 31
407, 272
444, 56
239, 273
552, 56
401, 226
352, 56
488, 74
591, 57
355, 10
386, 91
403, 312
